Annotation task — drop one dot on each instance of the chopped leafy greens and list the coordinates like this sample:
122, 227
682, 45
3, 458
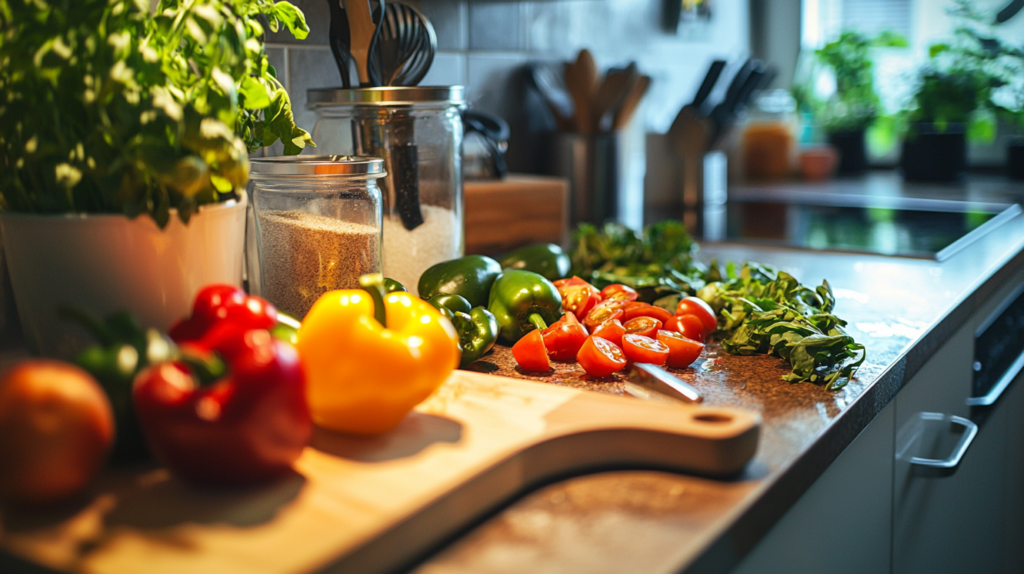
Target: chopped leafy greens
760, 310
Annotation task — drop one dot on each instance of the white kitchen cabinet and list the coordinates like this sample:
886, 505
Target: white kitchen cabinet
966, 518
843, 522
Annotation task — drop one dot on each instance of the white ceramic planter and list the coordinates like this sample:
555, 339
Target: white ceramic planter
108, 263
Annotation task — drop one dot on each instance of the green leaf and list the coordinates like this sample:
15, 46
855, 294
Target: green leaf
936, 49
292, 18
254, 94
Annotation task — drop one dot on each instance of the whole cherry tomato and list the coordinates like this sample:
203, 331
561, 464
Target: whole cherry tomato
600, 357
682, 352
640, 349
689, 326
603, 312
610, 331
618, 292
636, 309
530, 352
703, 311
564, 338
645, 326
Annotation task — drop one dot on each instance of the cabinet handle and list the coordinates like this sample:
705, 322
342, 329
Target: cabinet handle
958, 451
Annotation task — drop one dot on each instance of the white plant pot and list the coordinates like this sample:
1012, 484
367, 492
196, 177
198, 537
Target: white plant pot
108, 263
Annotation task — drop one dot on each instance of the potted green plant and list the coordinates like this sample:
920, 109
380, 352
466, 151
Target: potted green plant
854, 106
957, 98
124, 141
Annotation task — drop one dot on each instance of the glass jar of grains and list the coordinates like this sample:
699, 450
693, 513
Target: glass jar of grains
418, 133
316, 227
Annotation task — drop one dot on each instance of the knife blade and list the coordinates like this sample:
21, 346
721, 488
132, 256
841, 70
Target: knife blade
654, 378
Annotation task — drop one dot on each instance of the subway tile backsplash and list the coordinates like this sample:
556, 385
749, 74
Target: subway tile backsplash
487, 46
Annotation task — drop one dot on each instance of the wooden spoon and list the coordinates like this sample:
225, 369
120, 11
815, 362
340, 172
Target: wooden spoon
624, 114
611, 94
581, 78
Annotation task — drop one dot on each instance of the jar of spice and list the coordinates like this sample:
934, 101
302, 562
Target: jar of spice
769, 138
418, 133
316, 225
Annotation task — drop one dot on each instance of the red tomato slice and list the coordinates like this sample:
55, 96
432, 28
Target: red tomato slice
579, 299
610, 331
645, 326
703, 311
569, 282
564, 338
634, 310
682, 352
604, 311
618, 292
600, 358
530, 352
689, 326
640, 349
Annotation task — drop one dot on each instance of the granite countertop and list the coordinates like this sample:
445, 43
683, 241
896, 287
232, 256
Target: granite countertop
902, 309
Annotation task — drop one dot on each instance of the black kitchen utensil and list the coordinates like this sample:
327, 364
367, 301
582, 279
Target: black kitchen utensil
740, 89
338, 37
495, 132
406, 43
710, 79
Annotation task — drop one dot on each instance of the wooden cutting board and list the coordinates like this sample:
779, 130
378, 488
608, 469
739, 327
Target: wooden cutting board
373, 505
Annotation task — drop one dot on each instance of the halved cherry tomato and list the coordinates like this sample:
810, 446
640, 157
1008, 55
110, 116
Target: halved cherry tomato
645, 326
640, 349
682, 352
703, 311
689, 326
635, 309
600, 357
564, 338
570, 282
530, 352
579, 299
610, 331
604, 311
618, 292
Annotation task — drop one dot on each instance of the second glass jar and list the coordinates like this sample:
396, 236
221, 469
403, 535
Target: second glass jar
418, 133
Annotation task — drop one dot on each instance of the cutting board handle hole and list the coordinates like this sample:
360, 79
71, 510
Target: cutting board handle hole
713, 418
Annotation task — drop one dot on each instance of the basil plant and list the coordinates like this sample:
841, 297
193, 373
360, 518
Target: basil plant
108, 108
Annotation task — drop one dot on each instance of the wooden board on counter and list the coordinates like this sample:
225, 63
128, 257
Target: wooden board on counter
372, 505
503, 214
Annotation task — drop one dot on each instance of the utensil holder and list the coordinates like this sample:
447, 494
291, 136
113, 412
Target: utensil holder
596, 168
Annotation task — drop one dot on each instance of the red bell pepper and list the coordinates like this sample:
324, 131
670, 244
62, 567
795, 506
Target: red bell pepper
564, 338
223, 303
248, 426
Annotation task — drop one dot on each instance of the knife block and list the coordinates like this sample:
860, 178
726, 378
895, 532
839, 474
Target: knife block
501, 215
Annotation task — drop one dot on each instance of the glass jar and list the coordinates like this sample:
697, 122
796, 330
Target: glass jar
418, 133
316, 225
769, 138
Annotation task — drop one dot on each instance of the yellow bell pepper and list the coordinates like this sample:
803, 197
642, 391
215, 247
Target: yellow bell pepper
363, 377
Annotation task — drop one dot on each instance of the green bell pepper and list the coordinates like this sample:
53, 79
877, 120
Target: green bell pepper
124, 349
470, 276
477, 327
522, 301
391, 286
546, 259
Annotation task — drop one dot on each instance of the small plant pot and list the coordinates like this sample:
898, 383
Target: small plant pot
1015, 159
852, 157
106, 263
933, 155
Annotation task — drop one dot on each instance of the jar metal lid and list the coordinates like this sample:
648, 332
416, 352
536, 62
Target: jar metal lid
317, 165
386, 96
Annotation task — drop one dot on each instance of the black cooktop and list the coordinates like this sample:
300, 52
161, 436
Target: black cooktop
901, 226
